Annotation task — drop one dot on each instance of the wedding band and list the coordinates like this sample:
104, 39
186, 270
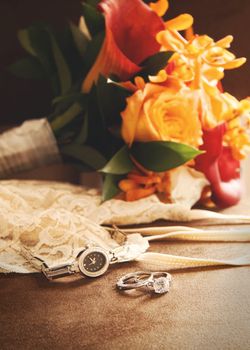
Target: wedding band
157, 282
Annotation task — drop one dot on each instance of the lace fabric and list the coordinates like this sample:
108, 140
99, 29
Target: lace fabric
27, 196
44, 218
56, 220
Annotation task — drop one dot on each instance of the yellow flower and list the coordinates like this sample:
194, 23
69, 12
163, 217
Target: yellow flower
200, 63
236, 136
199, 59
159, 7
162, 112
217, 107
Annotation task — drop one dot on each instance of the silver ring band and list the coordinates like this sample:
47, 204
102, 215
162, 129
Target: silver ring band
133, 280
157, 282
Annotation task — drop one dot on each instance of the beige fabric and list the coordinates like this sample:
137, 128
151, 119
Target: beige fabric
28, 146
54, 235
50, 220
38, 195
30, 196
55, 221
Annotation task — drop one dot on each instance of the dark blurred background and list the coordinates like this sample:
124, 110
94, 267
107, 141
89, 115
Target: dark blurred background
21, 99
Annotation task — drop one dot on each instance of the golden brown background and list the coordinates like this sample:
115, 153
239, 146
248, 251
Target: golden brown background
21, 99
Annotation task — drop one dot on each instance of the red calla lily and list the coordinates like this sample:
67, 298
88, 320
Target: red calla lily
131, 28
220, 168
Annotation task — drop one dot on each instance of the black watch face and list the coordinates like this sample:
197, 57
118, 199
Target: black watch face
94, 262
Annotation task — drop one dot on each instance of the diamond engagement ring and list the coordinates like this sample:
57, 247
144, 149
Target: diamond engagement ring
157, 282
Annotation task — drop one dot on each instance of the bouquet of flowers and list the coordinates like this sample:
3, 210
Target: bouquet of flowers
138, 97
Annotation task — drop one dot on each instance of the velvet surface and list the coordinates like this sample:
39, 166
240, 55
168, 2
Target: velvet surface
205, 308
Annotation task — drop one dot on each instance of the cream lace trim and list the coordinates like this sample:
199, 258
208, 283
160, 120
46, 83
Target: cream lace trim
30, 196
55, 220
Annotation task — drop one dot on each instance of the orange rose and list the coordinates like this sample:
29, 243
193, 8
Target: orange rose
159, 112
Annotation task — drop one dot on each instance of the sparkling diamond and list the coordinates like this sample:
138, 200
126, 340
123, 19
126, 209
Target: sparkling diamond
161, 285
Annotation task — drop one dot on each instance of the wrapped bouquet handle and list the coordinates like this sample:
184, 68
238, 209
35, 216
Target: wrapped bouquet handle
27, 146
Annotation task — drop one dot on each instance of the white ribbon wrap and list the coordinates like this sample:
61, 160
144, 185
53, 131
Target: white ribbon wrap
28, 146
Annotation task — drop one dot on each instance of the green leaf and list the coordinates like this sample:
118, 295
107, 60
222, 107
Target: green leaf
163, 155
28, 67
62, 120
93, 3
97, 132
83, 134
80, 40
71, 53
71, 98
36, 40
99, 135
93, 50
119, 164
153, 64
110, 188
85, 154
62, 67
25, 41
111, 100
94, 19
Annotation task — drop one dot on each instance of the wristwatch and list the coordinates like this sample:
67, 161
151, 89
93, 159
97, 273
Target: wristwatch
92, 262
